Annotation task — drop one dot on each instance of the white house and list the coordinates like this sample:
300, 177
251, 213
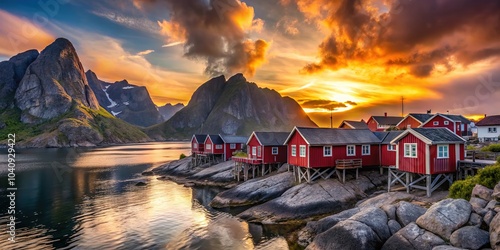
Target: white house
488, 129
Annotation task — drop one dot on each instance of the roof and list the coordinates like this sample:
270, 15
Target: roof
233, 139
271, 138
421, 117
200, 138
493, 120
388, 136
336, 136
355, 124
432, 135
215, 139
458, 118
387, 120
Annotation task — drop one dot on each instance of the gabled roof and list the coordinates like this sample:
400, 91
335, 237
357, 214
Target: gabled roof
355, 124
335, 136
199, 138
271, 138
233, 139
493, 120
387, 120
421, 117
215, 139
452, 118
388, 136
431, 135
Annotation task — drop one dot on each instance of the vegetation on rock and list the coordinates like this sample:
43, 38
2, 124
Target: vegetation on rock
488, 177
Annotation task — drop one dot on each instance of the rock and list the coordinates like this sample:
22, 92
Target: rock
478, 204
491, 205
308, 200
475, 220
408, 212
148, 173
169, 110
141, 184
213, 170
254, 191
313, 228
79, 133
445, 217
412, 237
446, 247
348, 234
470, 237
390, 210
482, 192
376, 219
21, 62
52, 83
488, 217
394, 226
495, 231
180, 167
385, 198
8, 85
496, 192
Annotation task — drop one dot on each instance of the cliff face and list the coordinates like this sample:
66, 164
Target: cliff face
233, 107
128, 102
169, 110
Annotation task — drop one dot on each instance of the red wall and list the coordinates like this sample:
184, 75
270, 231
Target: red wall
297, 140
229, 151
445, 165
281, 157
388, 157
212, 150
408, 120
200, 146
253, 143
339, 153
441, 121
373, 125
413, 165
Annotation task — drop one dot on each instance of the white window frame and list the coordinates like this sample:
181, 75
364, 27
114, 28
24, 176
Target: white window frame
302, 150
446, 123
327, 154
209, 146
447, 151
391, 147
409, 149
274, 151
232, 146
353, 150
492, 130
363, 147
218, 146
195, 145
435, 123
254, 151
259, 151
294, 150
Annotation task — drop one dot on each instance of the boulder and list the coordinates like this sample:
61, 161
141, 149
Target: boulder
394, 226
408, 212
390, 210
376, 219
482, 192
254, 191
445, 217
495, 232
446, 247
470, 237
496, 192
348, 234
475, 220
488, 217
491, 205
478, 205
412, 237
384, 199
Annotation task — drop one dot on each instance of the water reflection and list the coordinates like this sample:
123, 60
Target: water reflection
87, 199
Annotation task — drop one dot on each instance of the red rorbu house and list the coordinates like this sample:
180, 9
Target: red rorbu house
456, 123
353, 124
316, 152
265, 150
198, 144
232, 144
426, 156
387, 150
214, 148
382, 123
413, 120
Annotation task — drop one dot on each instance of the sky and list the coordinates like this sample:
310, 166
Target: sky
348, 59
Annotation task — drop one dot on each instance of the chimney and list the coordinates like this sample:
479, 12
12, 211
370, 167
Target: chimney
429, 111
385, 114
484, 115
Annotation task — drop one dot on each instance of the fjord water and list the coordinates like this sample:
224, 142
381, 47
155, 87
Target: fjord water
87, 199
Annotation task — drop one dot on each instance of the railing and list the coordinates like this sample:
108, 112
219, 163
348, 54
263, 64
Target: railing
481, 155
247, 160
348, 164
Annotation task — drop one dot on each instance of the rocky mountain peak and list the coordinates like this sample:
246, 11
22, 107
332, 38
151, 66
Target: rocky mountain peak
237, 78
52, 83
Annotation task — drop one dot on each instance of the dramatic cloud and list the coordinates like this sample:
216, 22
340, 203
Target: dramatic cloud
215, 31
325, 104
418, 37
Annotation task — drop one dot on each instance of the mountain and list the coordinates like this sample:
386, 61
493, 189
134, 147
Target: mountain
128, 102
47, 102
169, 110
232, 107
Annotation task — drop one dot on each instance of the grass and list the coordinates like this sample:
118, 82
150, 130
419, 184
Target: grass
182, 156
240, 154
488, 177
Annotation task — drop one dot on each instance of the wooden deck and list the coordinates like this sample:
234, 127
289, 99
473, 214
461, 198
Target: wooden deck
470, 167
247, 160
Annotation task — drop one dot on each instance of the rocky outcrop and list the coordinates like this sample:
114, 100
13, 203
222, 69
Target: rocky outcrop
412, 237
408, 212
168, 110
128, 102
495, 232
52, 83
445, 217
21, 62
470, 237
254, 191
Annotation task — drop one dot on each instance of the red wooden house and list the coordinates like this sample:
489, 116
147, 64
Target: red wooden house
430, 153
268, 147
353, 124
198, 144
456, 123
413, 120
320, 149
382, 123
231, 144
213, 145
387, 150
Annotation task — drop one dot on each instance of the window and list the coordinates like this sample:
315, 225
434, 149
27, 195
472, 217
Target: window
218, 146
275, 150
259, 151
391, 147
436, 123
195, 145
443, 151
294, 150
492, 130
327, 151
351, 150
302, 151
411, 150
232, 146
254, 151
365, 150
209, 146
408, 126
446, 122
